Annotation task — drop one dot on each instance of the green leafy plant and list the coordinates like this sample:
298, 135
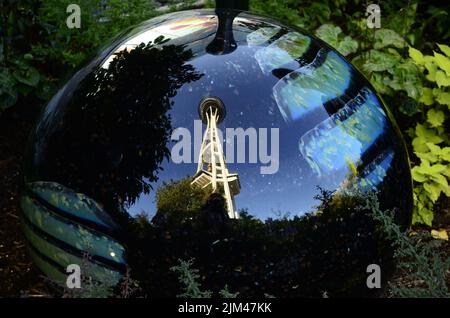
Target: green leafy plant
333, 35
189, 276
180, 195
38, 50
386, 68
431, 142
18, 74
129, 287
418, 256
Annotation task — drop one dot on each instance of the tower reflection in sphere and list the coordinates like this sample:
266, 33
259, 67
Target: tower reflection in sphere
113, 160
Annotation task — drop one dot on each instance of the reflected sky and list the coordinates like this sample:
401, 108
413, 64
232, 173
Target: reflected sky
333, 131
254, 97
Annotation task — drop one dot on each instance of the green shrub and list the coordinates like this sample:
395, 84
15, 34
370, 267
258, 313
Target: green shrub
180, 195
431, 143
38, 50
189, 276
419, 256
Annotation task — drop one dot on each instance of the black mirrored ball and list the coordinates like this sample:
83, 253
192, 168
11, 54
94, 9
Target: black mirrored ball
223, 142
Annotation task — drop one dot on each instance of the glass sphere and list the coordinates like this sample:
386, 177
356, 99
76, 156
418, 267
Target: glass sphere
245, 149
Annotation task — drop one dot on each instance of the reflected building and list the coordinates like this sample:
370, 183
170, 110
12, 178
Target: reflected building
103, 147
216, 176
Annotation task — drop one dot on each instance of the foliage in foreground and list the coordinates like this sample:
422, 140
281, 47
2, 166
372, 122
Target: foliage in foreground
189, 276
418, 256
180, 195
38, 50
431, 141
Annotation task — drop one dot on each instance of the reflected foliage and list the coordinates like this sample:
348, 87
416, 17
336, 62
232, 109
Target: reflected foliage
279, 257
117, 124
179, 195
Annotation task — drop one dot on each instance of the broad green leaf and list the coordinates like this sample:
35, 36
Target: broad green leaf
419, 145
406, 77
443, 98
445, 49
432, 69
416, 55
413, 89
423, 168
434, 169
428, 59
434, 148
445, 154
441, 180
445, 188
427, 97
433, 190
427, 216
428, 134
423, 197
417, 176
421, 131
427, 156
446, 172
380, 83
442, 79
443, 62
435, 117
380, 61
332, 35
388, 37
347, 46
28, 77
424, 216
435, 139
329, 33
8, 91
440, 131
439, 235
395, 53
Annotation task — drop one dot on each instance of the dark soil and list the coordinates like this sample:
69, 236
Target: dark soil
18, 276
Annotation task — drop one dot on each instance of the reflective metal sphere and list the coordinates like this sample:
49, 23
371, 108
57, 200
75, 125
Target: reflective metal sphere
275, 205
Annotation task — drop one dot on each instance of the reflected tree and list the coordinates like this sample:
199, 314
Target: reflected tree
117, 125
177, 197
253, 257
